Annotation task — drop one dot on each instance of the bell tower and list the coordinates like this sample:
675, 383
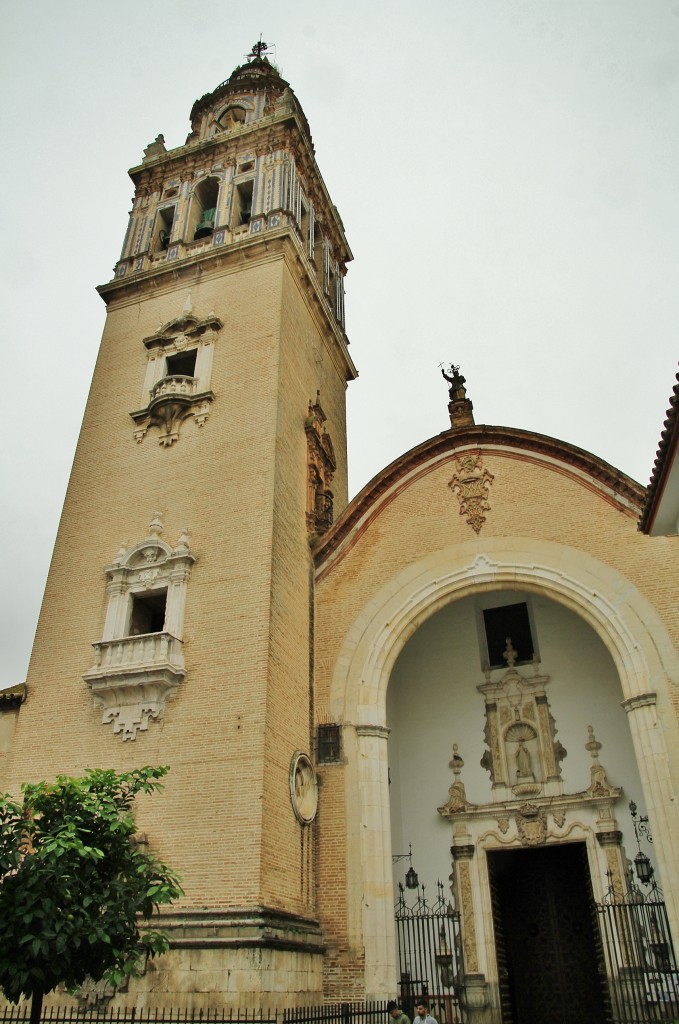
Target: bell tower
177, 623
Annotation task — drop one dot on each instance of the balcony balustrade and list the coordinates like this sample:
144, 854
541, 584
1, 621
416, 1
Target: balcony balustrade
133, 677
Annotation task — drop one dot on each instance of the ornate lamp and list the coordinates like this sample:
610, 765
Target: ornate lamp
412, 881
643, 868
642, 864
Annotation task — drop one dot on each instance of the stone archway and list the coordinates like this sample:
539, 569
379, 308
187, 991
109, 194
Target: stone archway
624, 620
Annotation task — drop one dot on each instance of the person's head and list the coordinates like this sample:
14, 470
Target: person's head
393, 1008
421, 1009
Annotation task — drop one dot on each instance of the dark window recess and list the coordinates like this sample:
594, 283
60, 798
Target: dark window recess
328, 745
509, 621
164, 227
182, 365
323, 510
205, 199
244, 193
148, 613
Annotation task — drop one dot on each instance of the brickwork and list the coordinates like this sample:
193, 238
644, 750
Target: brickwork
237, 483
279, 913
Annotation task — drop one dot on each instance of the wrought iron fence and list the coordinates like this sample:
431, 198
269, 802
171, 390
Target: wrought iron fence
331, 1013
640, 960
430, 955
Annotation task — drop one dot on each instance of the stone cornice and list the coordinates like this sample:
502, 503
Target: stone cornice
255, 927
253, 249
611, 484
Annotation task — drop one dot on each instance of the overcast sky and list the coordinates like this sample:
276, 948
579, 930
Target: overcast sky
505, 170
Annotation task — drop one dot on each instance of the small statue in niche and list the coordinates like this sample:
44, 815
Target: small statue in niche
524, 763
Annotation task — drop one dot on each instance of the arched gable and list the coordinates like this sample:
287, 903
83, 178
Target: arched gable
558, 521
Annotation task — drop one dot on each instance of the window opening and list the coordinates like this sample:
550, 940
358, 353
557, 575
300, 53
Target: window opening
328, 744
183, 364
147, 614
304, 222
511, 620
164, 224
205, 198
242, 206
233, 116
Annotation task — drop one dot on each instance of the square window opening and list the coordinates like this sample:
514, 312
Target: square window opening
147, 614
509, 621
328, 744
183, 364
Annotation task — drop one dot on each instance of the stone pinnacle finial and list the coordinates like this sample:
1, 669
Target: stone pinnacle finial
182, 545
156, 526
509, 654
592, 744
460, 407
457, 764
120, 555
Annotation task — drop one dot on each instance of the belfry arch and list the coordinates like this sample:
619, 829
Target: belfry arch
618, 613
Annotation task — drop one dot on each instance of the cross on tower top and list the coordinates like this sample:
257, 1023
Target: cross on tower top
258, 50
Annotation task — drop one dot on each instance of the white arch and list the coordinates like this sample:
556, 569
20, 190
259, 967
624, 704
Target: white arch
623, 618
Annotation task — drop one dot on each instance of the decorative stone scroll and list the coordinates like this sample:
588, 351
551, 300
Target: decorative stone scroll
472, 483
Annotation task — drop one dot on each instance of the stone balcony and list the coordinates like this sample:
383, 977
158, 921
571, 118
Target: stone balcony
132, 679
177, 384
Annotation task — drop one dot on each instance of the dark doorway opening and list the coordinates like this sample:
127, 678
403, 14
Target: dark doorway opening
550, 962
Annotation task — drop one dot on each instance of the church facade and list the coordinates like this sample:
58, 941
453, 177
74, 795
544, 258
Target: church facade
473, 665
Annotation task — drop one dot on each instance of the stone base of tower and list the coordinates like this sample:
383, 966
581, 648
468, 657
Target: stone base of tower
234, 960
240, 959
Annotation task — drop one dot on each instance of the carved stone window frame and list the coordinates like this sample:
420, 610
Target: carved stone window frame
133, 677
168, 399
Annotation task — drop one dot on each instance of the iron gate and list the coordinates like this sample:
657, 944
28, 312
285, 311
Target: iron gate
430, 955
640, 961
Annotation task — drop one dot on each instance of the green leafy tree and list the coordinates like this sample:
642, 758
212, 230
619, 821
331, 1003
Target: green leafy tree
75, 887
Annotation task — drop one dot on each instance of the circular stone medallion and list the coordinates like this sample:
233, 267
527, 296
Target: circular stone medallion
303, 788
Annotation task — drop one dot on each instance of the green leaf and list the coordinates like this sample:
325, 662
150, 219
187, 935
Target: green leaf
72, 884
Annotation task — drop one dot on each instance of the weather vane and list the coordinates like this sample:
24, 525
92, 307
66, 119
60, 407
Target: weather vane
258, 50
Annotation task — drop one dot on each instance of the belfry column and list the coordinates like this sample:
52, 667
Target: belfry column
379, 935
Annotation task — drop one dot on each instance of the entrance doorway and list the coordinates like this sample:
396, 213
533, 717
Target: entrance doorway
549, 956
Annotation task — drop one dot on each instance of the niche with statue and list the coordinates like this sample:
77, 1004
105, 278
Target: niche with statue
523, 756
